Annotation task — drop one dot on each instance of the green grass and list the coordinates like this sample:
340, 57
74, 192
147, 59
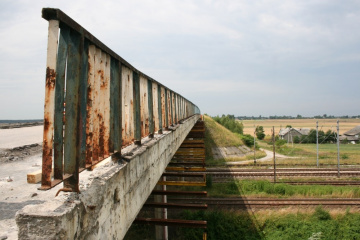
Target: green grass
305, 226
318, 224
217, 135
263, 188
220, 225
306, 153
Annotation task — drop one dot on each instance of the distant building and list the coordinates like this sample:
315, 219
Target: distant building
352, 135
289, 133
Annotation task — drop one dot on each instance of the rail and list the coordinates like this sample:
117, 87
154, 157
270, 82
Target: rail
96, 103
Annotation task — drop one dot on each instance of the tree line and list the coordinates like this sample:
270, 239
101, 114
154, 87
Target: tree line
230, 123
324, 137
324, 116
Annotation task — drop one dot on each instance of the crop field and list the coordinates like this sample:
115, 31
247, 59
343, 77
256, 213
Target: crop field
324, 124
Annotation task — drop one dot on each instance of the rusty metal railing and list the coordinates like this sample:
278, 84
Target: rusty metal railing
109, 103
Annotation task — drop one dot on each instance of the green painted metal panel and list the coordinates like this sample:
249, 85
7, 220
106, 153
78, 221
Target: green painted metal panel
83, 101
159, 107
59, 102
119, 107
176, 107
71, 158
171, 108
136, 105
166, 109
115, 106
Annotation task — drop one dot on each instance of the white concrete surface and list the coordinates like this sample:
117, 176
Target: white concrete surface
15, 192
111, 195
16, 137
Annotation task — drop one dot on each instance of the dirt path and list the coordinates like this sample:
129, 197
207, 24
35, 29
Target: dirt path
268, 157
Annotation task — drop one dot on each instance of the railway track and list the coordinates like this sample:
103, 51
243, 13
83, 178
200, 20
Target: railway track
269, 202
210, 170
281, 172
333, 183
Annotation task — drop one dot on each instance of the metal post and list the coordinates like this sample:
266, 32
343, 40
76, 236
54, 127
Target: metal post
254, 146
317, 144
53, 34
161, 232
338, 148
273, 139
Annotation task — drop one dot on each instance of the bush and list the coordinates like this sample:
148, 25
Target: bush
280, 143
260, 132
321, 214
248, 140
230, 123
220, 225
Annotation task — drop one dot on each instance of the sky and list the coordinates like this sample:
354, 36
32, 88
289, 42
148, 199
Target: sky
246, 58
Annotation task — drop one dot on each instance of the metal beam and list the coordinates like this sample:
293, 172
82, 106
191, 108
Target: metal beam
171, 222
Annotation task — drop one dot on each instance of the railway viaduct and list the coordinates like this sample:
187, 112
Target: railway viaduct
104, 115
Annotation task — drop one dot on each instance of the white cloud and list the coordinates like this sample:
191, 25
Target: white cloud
204, 48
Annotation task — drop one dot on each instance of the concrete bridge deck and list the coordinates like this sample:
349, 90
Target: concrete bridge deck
110, 196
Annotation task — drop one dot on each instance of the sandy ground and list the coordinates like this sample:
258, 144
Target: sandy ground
22, 147
15, 137
15, 192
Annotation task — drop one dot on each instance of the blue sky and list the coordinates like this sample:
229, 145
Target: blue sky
232, 57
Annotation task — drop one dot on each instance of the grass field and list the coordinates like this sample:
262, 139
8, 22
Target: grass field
306, 153
274, 225
217, 135
264, 188
324, 124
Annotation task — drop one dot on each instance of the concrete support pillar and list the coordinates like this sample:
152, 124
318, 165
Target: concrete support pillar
161, 232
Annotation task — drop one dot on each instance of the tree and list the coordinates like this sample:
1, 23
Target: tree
259, 131
288, 126
230, 123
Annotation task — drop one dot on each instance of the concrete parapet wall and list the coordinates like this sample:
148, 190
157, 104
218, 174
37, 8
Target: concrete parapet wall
111, 195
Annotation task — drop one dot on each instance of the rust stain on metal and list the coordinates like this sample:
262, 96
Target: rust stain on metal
90, 104
144, 107
106, 105
169, 108
155, 106
63, 190
91, 207
174, 109
48, 128
53, 36
50, 78
101, 139
164, 124
96, 105
46, 164
98, 109
127, 106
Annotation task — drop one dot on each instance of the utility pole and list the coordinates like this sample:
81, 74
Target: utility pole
273, 140
317, 145
338, 148
254, 145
